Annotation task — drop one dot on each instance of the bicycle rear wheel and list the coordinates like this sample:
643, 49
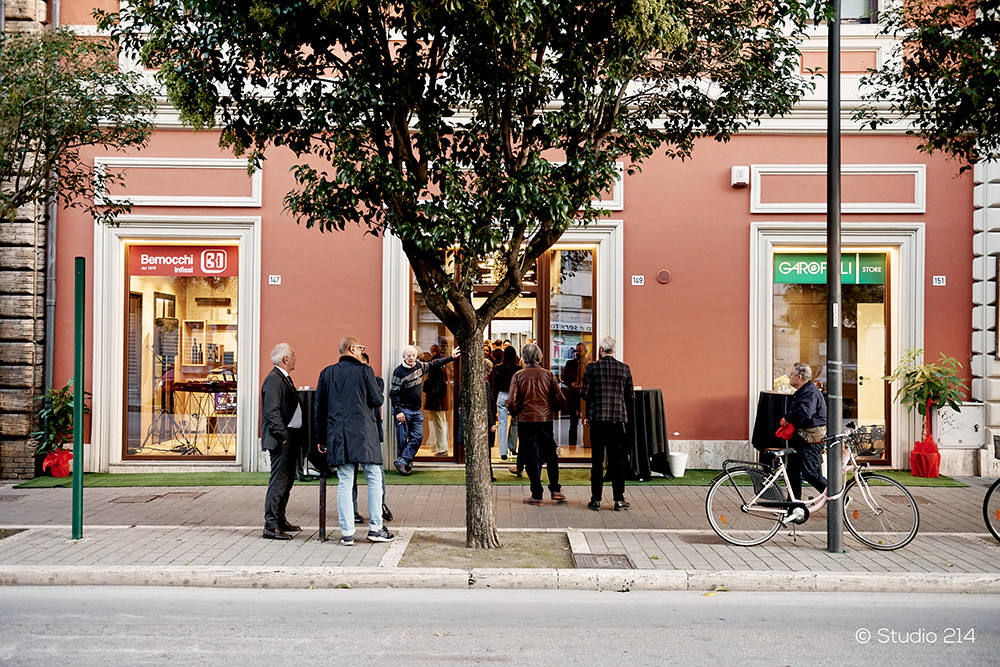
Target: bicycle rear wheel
991, 509
880, 512
725, 507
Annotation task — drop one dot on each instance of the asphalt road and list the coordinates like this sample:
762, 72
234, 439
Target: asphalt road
190, 626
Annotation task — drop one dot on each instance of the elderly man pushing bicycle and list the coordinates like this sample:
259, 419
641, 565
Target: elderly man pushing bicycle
807, 413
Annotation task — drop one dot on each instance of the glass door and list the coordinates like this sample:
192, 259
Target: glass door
799, 332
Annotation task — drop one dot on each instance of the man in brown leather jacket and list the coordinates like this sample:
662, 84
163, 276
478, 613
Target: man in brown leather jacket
534, 399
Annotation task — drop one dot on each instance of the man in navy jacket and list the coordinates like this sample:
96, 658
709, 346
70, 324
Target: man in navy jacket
346, 430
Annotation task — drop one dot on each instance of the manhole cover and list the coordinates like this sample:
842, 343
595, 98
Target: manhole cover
183, 494
135, 499
603, 561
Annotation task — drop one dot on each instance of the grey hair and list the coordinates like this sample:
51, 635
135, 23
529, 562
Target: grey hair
411, 347
531, 354
804, 371
280, 351
608, 345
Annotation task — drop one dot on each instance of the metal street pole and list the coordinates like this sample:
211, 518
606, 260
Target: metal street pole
81, 272
834, 363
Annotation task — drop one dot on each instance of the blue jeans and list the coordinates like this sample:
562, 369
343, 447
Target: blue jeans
409, 434
506, 436
345, 504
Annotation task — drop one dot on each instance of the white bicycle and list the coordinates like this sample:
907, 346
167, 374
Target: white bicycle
749, 502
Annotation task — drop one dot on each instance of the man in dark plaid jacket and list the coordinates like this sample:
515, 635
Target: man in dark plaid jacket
607, 385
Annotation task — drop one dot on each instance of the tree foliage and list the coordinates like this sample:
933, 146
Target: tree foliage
943, 77
60, 93
468, 130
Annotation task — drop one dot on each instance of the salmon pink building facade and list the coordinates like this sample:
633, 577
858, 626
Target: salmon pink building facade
710, 273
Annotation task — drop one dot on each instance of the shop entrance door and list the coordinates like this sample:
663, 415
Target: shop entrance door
556, 311
799, 325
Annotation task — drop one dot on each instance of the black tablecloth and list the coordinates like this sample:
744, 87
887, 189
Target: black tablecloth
309, 456
646, 435
771, 407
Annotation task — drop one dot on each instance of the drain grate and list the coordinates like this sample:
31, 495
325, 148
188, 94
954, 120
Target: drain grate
702, 539
10, 499
136, 499
183, 494
603, 561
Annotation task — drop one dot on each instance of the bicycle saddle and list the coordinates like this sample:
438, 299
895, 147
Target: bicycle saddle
780, 452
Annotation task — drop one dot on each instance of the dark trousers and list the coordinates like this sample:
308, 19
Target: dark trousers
284, 461
607, 438
536, 446
805, 464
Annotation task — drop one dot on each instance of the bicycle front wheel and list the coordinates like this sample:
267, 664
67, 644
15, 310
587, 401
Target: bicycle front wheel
728, 515
991, 509
880, 512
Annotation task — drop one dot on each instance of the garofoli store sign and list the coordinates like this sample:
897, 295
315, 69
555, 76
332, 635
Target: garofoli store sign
864, 268
183, 260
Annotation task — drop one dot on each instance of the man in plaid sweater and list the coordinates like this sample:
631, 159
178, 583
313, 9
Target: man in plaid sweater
606, 386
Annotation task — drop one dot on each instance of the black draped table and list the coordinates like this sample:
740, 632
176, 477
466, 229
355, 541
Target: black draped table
309, 455
646, 435
771, 407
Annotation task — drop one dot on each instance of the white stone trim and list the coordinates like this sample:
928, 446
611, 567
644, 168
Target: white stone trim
917, 171
109, 334
905, 243
101, 164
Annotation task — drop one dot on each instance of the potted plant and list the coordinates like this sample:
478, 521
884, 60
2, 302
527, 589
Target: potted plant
57, 429
925, 386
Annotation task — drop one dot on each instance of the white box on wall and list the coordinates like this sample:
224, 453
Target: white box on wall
959, 430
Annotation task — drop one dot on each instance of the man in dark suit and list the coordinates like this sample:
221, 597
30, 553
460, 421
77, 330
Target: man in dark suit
606, 386
281, 421
346, 431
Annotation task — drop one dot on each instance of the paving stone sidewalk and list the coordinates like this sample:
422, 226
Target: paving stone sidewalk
211, 536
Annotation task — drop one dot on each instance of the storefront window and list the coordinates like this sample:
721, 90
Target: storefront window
181, 352
799, 334
438, 393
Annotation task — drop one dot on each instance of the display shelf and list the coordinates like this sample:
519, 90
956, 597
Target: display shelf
193, 343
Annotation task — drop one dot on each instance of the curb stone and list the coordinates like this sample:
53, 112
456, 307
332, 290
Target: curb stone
495, 578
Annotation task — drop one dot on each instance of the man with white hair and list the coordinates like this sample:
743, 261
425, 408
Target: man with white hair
281, 421
404, 392
607, 388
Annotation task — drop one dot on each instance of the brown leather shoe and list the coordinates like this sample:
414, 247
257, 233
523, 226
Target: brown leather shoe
276, 534
558, 497
291, 528
531, 500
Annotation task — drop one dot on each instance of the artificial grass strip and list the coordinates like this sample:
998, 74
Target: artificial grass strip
429, 477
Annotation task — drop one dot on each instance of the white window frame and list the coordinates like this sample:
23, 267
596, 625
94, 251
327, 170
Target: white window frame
905, 290
109, 335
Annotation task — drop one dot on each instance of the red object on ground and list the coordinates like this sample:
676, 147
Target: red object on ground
925, 459
58, 461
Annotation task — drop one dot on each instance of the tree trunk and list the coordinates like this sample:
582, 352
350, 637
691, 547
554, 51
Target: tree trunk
480, 516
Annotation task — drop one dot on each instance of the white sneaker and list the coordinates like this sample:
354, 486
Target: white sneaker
793, 516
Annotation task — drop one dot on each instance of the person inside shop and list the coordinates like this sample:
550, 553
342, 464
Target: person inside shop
435, 390
500, 380
572, 376
807, 413
344, 414
534, 398
404, 393
281, 432
607, 389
